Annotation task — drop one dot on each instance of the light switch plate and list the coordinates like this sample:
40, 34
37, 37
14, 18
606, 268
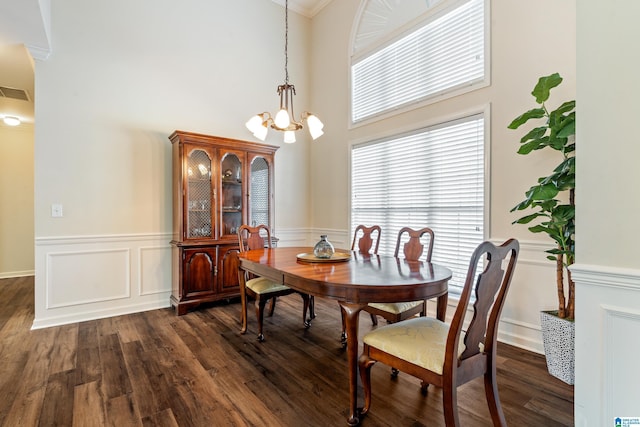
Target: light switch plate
56, 210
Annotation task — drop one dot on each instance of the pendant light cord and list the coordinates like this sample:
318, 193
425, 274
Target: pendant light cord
286, 42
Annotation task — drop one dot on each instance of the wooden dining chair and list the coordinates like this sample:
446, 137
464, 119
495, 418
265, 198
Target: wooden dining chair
412, 250
364, 238
261, 288
443, 354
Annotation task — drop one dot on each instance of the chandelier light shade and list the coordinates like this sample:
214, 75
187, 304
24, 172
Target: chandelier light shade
285, 119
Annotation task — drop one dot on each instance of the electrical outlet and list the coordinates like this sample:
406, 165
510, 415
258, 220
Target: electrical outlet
56, 210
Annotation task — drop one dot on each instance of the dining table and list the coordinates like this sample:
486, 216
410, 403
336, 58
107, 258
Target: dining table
353, 279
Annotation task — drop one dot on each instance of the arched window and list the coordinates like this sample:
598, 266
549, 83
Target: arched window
406, 53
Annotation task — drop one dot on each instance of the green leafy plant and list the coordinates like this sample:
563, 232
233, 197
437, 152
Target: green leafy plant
553, 197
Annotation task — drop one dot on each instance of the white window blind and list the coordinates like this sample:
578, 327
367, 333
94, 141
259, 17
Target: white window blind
433, 178
444, 54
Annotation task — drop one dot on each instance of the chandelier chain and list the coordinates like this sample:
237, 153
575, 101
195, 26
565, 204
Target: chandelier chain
286, 42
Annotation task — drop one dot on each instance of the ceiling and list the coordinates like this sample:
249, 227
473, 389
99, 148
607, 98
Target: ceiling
308, 8
25, 34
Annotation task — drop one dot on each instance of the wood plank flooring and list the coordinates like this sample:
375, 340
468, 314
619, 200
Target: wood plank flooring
157, 369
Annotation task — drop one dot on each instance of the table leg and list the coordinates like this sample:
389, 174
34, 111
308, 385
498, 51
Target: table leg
351, 313
441, 308
243, 300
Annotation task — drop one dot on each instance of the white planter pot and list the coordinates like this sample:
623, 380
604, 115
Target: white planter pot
558, 337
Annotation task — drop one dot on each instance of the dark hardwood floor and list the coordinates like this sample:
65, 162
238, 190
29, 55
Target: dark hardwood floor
157, 369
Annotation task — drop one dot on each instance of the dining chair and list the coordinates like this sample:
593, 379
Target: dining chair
366, 239
261, 288
412, 250
443, 354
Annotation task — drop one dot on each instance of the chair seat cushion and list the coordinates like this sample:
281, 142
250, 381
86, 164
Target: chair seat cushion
395, 307
420, 341
262, 285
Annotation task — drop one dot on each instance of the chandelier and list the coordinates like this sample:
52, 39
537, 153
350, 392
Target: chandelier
284, 119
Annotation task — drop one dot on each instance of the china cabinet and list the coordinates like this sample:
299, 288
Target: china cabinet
218, 185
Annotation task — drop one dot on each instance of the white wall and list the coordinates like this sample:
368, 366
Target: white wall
121, 78
522, 33
607, 273
16, 201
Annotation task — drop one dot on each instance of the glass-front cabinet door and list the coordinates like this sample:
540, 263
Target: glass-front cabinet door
198, 197
259, 194
218, 185
231, 194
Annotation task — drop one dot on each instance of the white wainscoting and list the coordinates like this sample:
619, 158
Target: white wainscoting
607, 344
89, 277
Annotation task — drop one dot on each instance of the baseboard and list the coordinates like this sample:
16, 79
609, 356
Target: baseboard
521, 334
10, 274
162, 302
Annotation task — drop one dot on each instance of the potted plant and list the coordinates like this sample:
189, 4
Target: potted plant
552, 200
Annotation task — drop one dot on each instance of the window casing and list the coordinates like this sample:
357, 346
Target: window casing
431, 177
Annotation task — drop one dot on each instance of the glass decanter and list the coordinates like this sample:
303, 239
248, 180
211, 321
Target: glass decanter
324, 248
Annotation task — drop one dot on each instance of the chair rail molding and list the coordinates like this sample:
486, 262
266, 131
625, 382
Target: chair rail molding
310, 236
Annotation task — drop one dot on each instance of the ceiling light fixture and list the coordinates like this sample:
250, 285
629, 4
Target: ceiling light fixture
285, 120
11, 121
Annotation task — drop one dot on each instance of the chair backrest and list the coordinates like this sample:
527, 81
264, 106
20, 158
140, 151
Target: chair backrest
253, 237
369, 236
413, 249
490, 293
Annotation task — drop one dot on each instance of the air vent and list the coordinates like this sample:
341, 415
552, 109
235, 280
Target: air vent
8, 92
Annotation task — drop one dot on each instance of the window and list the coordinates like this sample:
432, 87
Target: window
432, 177
442, 55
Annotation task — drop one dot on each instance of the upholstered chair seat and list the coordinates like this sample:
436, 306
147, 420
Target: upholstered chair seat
396, 307
262, 285
420, 340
